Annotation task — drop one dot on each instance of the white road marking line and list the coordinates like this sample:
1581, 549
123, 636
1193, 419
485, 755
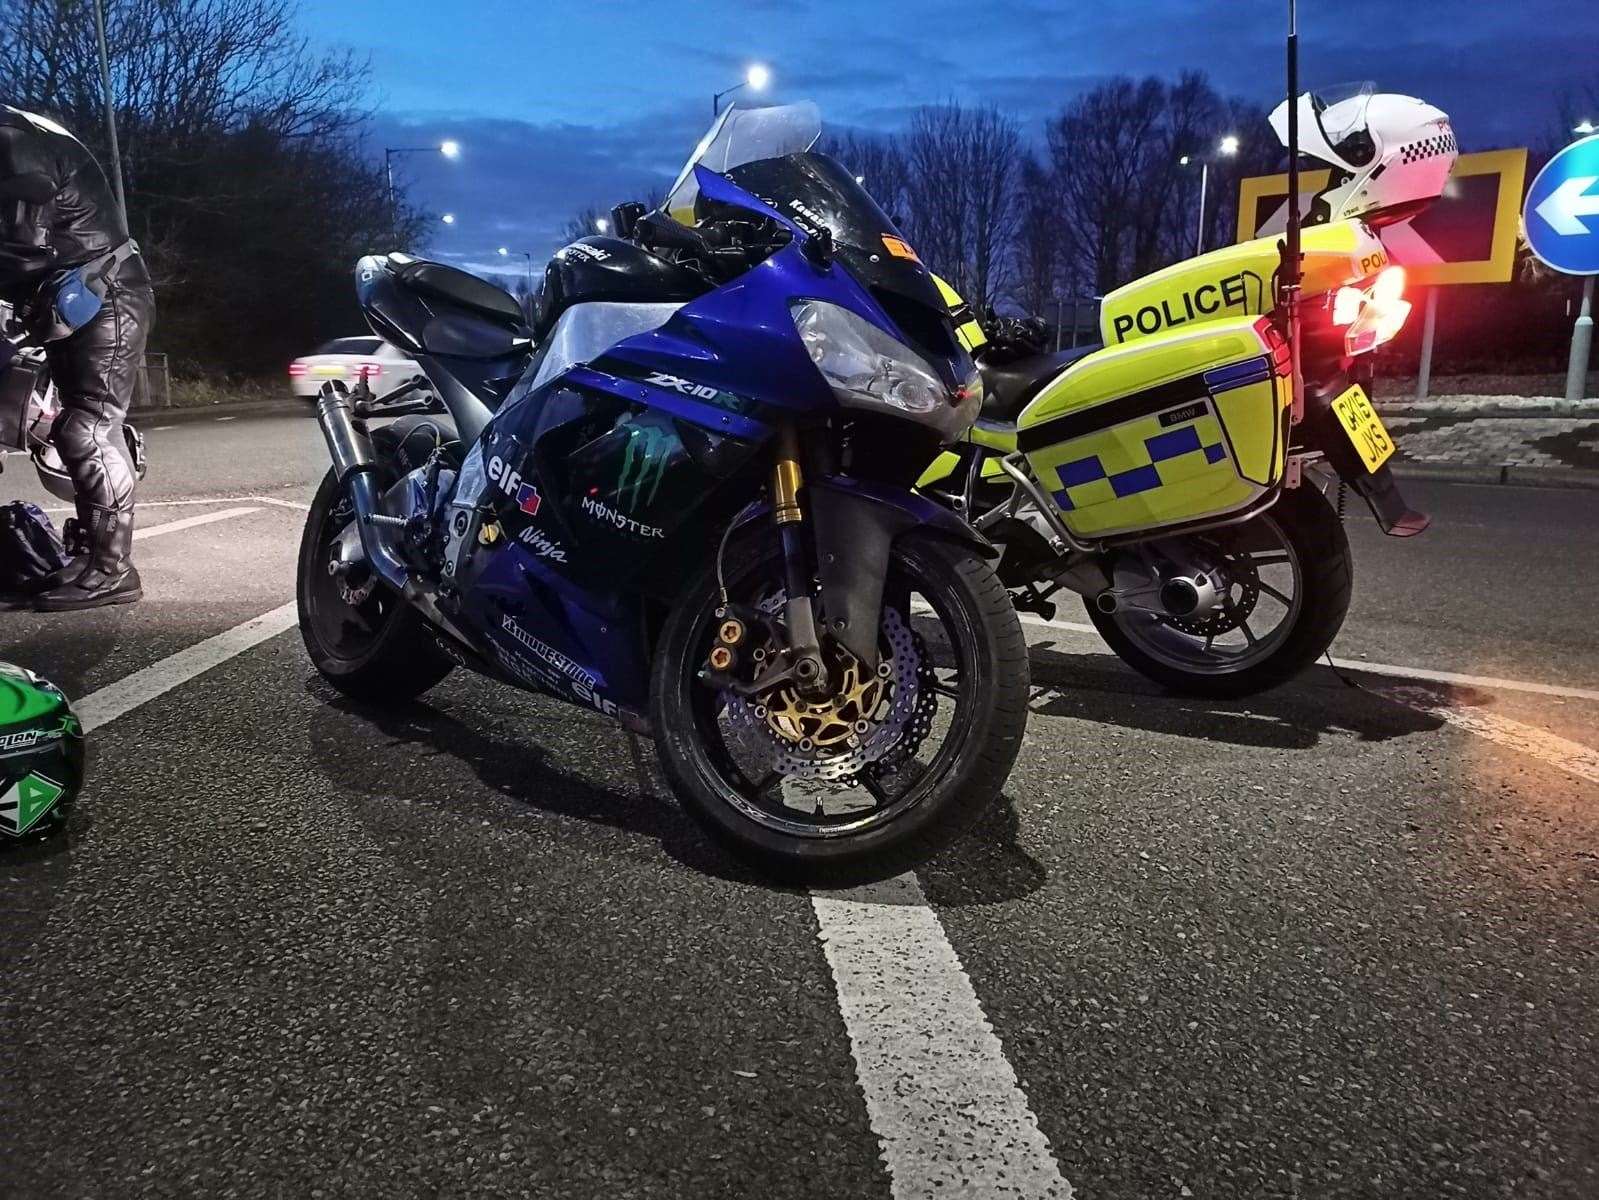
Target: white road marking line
220, 419
126, 694
1482, 681
190, 522
1399, 672
1572, 757
273, 500
942, 1098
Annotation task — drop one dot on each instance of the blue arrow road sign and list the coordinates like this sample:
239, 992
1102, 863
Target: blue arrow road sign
1562, 215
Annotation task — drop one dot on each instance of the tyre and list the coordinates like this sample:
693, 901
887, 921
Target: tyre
363, 637
1289, 575
894, 766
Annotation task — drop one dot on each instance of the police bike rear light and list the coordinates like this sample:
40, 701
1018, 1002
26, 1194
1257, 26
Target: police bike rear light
1373, 316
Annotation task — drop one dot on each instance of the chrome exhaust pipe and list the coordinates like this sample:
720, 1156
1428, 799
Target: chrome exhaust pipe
355, 462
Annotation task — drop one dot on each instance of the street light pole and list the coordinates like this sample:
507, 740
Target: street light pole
110, 114
756, 79
388, 174
506, 252
1228, 146
449, 148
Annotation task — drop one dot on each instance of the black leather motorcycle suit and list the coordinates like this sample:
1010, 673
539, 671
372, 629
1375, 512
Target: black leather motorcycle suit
56, 212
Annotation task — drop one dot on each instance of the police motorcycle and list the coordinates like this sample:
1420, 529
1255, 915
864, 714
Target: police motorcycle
1174, 477
683, 497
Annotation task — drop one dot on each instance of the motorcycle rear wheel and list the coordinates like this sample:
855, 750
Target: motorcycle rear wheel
378, 651
764, 821
1312, 538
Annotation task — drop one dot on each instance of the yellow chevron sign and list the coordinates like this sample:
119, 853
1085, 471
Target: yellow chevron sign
1468, 235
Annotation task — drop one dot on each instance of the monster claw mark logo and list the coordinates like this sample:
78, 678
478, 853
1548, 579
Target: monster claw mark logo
26, 801
643, 464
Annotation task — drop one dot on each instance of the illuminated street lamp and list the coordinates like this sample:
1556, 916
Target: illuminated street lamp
1584, 127
601, 225
1228, 148
756, 79
506, 252
449, 148
448, 218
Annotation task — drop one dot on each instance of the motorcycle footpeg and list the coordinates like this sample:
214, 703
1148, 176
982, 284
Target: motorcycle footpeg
1031, 602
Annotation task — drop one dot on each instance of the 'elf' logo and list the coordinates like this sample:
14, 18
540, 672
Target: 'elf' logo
510, 482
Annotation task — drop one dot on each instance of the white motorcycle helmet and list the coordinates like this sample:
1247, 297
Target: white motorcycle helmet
1390, 155
38, 424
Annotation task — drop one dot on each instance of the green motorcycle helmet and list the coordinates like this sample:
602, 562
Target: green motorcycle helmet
41, 755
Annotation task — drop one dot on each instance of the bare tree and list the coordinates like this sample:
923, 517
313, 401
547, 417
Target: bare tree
878, 162
1572, 107
241, 154
1098, 146
1116, 157
1041, 248
586, 222
961, 197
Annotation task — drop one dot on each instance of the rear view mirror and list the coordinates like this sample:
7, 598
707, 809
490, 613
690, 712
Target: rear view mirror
625, 218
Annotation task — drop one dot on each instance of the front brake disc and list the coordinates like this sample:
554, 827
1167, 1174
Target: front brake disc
790, 725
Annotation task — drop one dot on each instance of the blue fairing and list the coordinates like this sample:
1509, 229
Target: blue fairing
561, 604
741, 337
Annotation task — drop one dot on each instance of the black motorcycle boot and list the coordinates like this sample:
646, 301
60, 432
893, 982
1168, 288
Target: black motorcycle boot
74, 538
108, 575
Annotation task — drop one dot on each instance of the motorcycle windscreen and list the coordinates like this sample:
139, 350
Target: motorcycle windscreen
739, 136
816, 192
1332, 125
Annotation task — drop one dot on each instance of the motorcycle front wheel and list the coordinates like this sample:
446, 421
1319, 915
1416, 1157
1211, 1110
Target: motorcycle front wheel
1289, 575
893, 767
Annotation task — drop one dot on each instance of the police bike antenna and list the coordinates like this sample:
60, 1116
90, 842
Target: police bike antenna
1290, 272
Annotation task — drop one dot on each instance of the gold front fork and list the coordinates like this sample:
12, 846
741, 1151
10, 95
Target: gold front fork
786, 480
799, 614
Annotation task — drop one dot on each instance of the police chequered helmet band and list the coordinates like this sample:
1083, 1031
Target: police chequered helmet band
1443, 143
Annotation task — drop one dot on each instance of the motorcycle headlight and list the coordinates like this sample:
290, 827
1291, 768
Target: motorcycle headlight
866, 367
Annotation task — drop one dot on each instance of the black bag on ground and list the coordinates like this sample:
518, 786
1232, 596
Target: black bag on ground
30, 548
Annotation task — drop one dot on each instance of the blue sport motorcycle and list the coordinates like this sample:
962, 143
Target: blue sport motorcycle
680, 492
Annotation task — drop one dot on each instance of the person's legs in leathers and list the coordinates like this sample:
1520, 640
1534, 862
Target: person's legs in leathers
94, 372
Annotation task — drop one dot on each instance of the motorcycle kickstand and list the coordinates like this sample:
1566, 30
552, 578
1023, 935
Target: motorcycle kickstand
1030, 600
645, 790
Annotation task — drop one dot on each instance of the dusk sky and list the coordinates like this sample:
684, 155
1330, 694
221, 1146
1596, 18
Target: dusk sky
562, 104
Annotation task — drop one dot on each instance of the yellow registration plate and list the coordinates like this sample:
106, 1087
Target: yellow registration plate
1364, 427
328, 372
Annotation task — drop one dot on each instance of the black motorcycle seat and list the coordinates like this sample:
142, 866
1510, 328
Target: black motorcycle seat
1009, 387
460, 288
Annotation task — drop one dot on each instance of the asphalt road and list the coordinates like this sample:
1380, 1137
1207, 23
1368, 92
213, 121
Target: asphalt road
1334, 941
